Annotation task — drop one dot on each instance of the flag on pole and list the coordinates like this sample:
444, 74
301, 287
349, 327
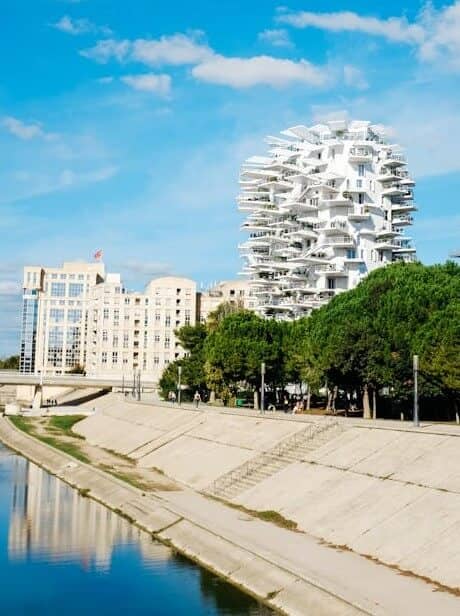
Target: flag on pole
98, 255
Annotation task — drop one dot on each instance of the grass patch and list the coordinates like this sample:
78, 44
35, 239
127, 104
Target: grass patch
122, 514
126, 477
275, 518
69, 448
23, 423
267, 516
27, 425
65, 423
122, 456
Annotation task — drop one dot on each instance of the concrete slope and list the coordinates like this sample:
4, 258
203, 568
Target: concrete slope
290, 571
390, 494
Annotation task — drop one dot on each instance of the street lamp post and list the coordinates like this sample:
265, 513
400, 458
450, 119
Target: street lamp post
262, 387
179, 387
415, 365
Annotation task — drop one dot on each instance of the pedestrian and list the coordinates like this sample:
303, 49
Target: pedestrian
286, 404
197, 398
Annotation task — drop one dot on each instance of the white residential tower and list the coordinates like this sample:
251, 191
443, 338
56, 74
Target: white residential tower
326, 205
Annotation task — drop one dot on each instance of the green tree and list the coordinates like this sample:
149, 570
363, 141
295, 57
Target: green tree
10, 363
235, 349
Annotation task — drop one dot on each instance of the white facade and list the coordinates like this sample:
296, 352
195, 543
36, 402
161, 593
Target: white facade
235, 292
132, 332
55, 304
79, 315
328, 204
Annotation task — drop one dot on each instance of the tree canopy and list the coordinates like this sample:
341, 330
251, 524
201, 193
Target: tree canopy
362, 340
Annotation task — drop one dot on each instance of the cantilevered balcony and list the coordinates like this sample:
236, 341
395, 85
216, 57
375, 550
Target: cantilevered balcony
339, 241
358, 213
405, 206
360, 155
402, 221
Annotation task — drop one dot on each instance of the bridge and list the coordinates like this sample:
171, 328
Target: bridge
32, 384
11, 377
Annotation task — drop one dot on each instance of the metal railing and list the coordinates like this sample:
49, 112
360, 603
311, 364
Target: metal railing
271, 455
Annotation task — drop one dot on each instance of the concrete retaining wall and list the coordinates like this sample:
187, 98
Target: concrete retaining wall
393, 495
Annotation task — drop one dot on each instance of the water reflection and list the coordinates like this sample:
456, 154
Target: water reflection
51, 521
60, 541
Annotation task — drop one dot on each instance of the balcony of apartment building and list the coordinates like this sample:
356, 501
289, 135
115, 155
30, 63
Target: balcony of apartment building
403, 206
396, 190
329, 269
339, 241
403, 245
358, 213
331, 227
393, 159
385, 243
360, 155
331, 201
402, 220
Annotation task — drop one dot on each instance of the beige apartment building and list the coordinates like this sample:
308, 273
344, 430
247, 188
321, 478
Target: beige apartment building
231, 291
132, 333
79, 315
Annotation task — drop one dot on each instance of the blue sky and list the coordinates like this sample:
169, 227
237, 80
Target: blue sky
123, 125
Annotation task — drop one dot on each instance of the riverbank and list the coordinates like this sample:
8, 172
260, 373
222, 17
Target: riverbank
290, 571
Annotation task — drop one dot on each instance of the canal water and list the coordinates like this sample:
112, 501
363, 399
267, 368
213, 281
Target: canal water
61, 553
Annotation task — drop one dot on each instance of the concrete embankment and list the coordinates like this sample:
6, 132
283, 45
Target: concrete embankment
382, 489
290, 571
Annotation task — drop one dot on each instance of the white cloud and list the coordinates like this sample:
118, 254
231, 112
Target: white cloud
153, 269
177, 49
68, 178
394, 29
79, 26
258, 70
277, 37
354, 77
26, 131
9, 287
435, 33
108, 49
442, 40
157, 84
105, 80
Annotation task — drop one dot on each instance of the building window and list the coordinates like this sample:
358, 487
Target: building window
57, 315
351, 253
106, 314
74, 316
115, 357
75, 289
187, 317
331, 283
104, 335
104, 357
168, 321
359, 183
157, 316
156, 360
361, 198
115, 341
125, 340
361, 170
58, 289
167, 342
